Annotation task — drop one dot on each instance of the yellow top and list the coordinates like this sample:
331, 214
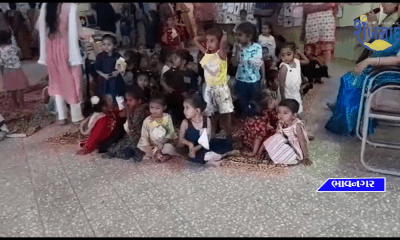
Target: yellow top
215, 69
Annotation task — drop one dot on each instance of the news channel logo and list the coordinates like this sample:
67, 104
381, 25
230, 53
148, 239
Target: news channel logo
380, 34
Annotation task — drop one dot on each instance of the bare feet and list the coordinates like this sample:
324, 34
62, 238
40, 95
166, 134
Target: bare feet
249, 154
234, 153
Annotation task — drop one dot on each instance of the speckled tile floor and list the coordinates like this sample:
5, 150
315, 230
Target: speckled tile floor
47, 191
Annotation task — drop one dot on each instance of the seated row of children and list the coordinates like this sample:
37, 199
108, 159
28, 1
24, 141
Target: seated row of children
188, 101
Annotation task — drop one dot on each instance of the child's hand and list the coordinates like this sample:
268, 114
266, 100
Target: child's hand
191, 147
307, 161
115, 73
160, 146
192, 153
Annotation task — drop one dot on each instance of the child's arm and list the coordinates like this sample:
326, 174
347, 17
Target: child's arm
236, 57
165, 85
182, 139
282, 80
197, 41
222, 46
263, 81
303, 59
303, 144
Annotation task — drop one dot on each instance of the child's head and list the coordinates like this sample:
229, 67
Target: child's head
143, 80
109, 43
144, 63
213, 38
169, 61
5, 37
229, 48
157, 48
154, 59
133, 98
193, 105
287, 110
272, 79
309, 49
158, 104
132, 59
141, 48
184, 56
170, 21
100, 103
243, 15
246, 33
288, 51
267, 29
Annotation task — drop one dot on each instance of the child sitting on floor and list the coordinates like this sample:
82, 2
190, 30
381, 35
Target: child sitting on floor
142, 85
193, 127
290, 143
158, 133
110, 79
258, 128
99, 126
135, 112
132, 65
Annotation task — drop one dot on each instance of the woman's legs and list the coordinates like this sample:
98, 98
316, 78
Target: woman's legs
76, 110
61, 108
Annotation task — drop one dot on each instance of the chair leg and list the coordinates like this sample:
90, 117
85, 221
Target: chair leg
364, 141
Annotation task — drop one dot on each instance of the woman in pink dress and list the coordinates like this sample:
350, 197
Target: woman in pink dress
63, 65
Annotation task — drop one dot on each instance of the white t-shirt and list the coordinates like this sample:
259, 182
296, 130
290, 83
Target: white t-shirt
268, 42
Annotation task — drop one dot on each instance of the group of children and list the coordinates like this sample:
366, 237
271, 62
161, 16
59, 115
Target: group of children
136, 113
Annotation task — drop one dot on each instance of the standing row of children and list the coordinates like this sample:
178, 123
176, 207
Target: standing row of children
170, 94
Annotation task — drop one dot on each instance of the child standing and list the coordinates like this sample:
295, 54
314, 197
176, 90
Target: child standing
243, 18
290, 74
14, 78
193, 127
189, 75
135, 112
172, 35
248, 58
110, 79
99, 126
290, 144
267, 41
217, 93
158, 133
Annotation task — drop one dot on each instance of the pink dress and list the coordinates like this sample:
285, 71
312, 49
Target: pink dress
64, 80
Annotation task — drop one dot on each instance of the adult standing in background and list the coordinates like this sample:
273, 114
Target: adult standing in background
105, 17
21, 30
183, 11
165, 10
151, 23
320, 27
59, 29
33, 15
3, 22
205, 14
